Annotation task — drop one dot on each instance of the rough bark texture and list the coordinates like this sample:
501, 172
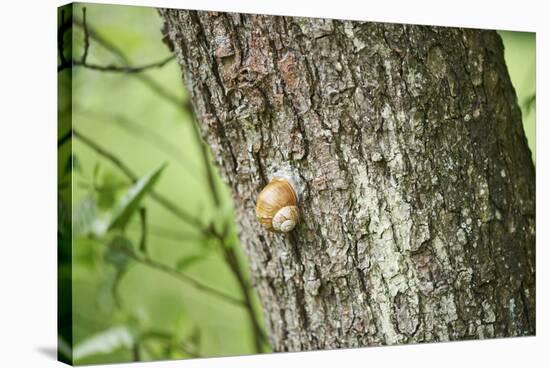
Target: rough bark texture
419, 208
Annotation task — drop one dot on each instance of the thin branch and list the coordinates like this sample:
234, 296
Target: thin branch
206, 161
149, 82
147, 261
86, 37
185, 278
111, 157
64, 27
143, 222
65, 138
231, 259
127, 68
60, 36
124, 69
259, 335
63, 66
106, 44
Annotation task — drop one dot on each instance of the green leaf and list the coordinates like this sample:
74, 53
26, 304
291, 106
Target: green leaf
129, 203
186, 261
104, 342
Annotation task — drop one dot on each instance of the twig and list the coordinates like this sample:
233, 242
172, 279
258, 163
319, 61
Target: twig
143, 221
111, 157
259, 335
65, 138
64, 27
86, 37
60, 35
147, 261
124, 69
107, 68
184, 277
231, 259
206, 161
154, 86
102, 41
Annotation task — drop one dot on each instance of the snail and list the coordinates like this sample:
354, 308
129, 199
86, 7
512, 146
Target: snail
277, 205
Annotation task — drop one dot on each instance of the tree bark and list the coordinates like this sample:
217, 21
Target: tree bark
418, 216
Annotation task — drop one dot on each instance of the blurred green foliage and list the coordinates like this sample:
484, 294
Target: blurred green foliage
125, 310
130, 255
520, 56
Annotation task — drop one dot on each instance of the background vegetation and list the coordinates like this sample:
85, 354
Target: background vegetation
157, 271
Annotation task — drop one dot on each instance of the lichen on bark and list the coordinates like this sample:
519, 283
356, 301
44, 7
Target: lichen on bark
419, 202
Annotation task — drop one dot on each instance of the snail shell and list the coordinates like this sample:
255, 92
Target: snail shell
277, 206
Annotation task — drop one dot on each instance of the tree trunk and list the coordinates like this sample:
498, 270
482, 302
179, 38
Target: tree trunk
418, 216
